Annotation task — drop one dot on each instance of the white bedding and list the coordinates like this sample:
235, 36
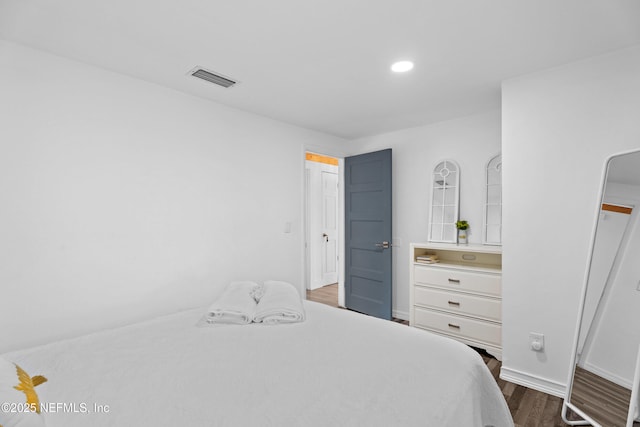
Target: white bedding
336, 368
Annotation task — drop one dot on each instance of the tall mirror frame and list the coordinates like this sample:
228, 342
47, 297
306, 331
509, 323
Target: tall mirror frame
595, 393
492, 224
445, 199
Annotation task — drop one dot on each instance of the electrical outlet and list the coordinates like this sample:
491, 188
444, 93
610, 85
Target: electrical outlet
536, 341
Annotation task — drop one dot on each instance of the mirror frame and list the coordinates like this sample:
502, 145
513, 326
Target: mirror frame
566, 404
456, 190
485, 219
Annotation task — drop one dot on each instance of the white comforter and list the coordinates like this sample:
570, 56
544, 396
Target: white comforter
337, 368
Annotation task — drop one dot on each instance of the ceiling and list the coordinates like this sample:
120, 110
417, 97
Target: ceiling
324, 65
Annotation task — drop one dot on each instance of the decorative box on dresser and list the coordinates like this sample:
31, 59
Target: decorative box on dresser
460, 295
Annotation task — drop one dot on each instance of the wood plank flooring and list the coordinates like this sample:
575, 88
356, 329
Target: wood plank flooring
605, 401
529, 408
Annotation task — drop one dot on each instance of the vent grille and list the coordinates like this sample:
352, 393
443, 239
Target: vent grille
212, 77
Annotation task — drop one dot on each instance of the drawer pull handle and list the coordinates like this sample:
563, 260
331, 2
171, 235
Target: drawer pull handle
454, 280
454, 303
454, 326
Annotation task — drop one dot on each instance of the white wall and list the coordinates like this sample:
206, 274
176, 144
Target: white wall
471, 142
123, 199
558, 127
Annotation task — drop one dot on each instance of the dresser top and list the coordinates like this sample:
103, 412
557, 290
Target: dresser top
487, 249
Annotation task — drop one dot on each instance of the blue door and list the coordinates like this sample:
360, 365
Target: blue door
368, 233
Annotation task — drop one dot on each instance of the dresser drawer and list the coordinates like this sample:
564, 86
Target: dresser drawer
451, 324
468, 281
470, 305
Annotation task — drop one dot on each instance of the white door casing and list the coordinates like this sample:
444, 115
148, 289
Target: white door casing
322, 224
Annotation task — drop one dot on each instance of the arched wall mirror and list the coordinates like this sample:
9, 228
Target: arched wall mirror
492, 230
603, 386
445, 197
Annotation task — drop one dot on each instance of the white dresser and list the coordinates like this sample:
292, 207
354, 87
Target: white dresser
461, 295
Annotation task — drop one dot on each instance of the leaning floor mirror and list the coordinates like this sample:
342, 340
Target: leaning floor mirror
603, 386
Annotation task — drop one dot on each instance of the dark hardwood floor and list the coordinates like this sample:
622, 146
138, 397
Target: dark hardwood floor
529, 408
605, 401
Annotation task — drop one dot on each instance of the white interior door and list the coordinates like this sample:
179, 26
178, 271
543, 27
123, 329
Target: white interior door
322, 241
329, 180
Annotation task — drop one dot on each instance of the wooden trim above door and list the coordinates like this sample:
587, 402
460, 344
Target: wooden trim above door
616, 208
319, 158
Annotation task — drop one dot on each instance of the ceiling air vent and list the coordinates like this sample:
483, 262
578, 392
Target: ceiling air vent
212, 77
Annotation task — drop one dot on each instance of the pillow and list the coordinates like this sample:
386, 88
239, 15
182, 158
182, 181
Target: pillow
19, 403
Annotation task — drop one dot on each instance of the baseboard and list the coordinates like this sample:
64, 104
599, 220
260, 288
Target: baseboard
533, 381
402, 315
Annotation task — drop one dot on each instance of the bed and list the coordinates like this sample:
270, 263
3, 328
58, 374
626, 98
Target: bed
337, 368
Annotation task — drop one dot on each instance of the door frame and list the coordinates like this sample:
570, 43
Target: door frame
340, 233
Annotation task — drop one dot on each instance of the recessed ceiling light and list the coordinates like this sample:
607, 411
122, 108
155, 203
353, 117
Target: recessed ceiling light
402, 66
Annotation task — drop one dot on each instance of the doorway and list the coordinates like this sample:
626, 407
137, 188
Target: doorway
323, 229
326, 257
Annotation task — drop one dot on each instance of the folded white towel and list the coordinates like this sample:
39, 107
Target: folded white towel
236, 305
280, 303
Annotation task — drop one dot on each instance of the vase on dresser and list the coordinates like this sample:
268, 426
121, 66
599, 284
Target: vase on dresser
462, 237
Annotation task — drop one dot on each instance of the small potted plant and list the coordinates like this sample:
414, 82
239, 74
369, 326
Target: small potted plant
462, 227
